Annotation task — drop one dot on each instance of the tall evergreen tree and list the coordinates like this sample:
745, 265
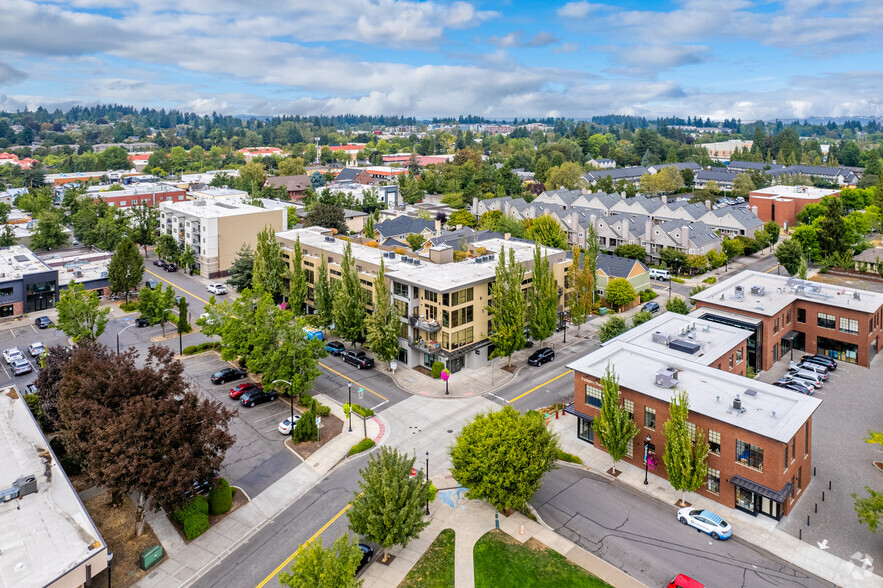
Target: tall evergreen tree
685, 453
269, 268
384, 324
323, 295
349, 307
242, 269
369, 227
507, 309
126, 267
581, 284
297, 280
543, 298
614, 427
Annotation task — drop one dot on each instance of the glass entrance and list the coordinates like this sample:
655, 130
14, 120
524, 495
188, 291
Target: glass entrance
585, 431
456, 364
745, 500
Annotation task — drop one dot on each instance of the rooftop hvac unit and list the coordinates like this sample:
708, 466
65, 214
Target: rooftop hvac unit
490, 257
684, 346
416, 262
856, 295
78, 273
757, 290
329, 239
403, 258
813, 287
739, 293
661, 338
103, 274
737, 405
794, 282
667, 378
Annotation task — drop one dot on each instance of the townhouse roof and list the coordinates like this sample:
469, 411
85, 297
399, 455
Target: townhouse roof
752, 165
615, 174
681, 165
716, 174
741, 214
617, 267
470, 234
348, 174
404, 225
701, 234
291, 183
815, 170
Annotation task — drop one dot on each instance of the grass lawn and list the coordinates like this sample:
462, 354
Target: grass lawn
503, 562
436, 568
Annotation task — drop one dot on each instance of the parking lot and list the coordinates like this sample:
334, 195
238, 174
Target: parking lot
850, 407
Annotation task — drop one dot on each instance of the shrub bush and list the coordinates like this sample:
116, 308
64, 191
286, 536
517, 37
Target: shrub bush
72, 466
647, 295
220, 498
207, 346
33, 402
710, 280
677, 280
677, 304
400, 251
130, 306
373, 244
437, 368
308, 402
363, 445
306, 429
461, 255
569, 457
614, 327
199, 505
323, 411
433, 492
641, 318
195, 525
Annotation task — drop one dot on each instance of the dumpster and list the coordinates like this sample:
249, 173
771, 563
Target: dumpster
149, 557
603, 310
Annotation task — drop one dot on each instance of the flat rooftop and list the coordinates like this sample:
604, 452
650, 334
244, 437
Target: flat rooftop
203, 208
19, 261
80, 265
712, 339
780, 291
218, 193
808, 192
776, 413
43, 535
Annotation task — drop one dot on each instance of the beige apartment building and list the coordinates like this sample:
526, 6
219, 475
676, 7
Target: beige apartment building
443, 303
216, 229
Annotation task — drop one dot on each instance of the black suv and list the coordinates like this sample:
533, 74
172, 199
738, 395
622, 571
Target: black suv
257, 396
170, 267
358, 359
820, 360
650, 307
227, 375
43, 322
541, 356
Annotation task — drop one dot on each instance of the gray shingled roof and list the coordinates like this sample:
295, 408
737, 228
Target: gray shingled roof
750, 165
348, 174
616, 267
681, 165
716, 174
616, 174
403, 225
701, 234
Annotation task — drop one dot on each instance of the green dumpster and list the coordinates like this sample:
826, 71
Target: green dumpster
149, 557
602, 310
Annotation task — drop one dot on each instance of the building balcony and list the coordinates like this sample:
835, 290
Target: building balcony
428, 346
430, 326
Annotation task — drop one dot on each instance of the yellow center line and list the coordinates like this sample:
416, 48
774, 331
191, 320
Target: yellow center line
540, 386
176, 286
353, 381
771, 269
308, 541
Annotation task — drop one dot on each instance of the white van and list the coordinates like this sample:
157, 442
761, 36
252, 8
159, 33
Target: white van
659, 274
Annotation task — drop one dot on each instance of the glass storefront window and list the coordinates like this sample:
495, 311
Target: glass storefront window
584, 430
838, 350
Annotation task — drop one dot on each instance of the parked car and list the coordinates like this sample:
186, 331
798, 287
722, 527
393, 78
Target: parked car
357, 358
795, 386
811, 377
821, 360
217, 288
152, 284
204, 485
650, 307
159, 263
335, 347
312, 333
367, 554
706, 521
43, 322
21, 366
238, 391
682, 581
12, 354
812, 367
36, 349
170, 267
228, 375
256, 396
541, 356
142, 322
789, 379
30, 389
286, 426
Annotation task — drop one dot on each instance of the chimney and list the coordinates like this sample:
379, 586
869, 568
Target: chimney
754, 210
507, 236
664, 199
685, 236
708, 204
475, 204
437, 227
459, 227
648, 230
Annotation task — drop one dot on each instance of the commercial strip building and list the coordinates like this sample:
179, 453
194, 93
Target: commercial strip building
782, 204
48, 537
216, 229
760, 436
788, 313
135, 194
443, 303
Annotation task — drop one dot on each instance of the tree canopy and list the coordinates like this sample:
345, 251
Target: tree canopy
508, 311
79, 313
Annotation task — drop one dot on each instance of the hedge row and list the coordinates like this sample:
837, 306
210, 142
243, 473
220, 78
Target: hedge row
194, 517
361, 410
193, 349
313, 405
568, 457
363, 445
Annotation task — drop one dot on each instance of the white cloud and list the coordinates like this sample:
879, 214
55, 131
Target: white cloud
10, 75
579, 10
517, 39
648, 60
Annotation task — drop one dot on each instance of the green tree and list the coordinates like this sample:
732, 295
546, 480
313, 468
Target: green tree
179, 159
416, 241
567, 175
252, 177
323, 296
620, 292
167, 247
369, 227
292, 355
384, 323
732, 248
742, 185
547, 231
640, 318
115, 158
698, 263
297, 281
831, 228
614, 426
292, 166
542, 298
773, 231
35, 201
789, 254
389, 508
242, 268
183, 324
350, 300
808, 238
802, 269
677, 304
502, 456
631, 251
318, 567
268, 272
508, 310
79, 313
672, 257
461, 217
49, 234
152, 304
685, 453
870, 509
328, 216
126, 267
7, 237
144, 223
612, 327
582, 281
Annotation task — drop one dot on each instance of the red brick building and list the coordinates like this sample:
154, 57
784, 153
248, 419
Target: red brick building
134, 195
760, 435
782, 204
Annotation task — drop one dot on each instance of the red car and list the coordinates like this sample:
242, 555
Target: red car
682, 581
241, 389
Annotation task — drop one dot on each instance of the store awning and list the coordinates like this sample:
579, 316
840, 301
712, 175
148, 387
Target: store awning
790, 336
569, 409
779, 496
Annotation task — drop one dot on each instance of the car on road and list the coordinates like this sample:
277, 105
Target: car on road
257, 396
43, 322
142, 322
650, 307
228, 375
159, 263
357, 358
31, 389
217, 288
367, 554
170, 267
789, 384
36, 349
682, 581
238, 391
335, 347
152, 284
821, 360
706, 521
12, 354
541, 356
21, 366
286, 426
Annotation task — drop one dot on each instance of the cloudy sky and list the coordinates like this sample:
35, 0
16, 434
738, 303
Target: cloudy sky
747, 59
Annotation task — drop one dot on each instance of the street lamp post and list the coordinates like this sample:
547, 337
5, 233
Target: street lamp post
118, 337
291, 397
427, 481
349, 395
109, 559
163, 321
646, 457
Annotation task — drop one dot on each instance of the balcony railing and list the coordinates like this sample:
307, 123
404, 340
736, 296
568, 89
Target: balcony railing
429, 346
429, 326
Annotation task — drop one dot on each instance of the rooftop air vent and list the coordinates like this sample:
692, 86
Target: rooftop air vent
856, 295
739, 293
329, 239
737, 405
403, 258
750, 392
757, 290
667, 378
660, 338
684, 346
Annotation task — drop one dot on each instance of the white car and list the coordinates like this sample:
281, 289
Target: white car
36, 349
207, 318
217, 288
10, 355
286, 425
706, 521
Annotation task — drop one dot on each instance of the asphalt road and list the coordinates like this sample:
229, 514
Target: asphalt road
642, 537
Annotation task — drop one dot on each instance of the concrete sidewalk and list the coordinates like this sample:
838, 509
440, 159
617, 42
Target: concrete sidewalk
761, 531
470, 520
186, 563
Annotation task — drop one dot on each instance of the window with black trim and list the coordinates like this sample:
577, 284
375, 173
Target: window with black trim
749, 455
714, 481
714, 442
801, 315
594, 395
649, 417
826, 321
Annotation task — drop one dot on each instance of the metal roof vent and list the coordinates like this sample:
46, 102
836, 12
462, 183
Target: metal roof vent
757, 290
739, 293
737, 405
667, 377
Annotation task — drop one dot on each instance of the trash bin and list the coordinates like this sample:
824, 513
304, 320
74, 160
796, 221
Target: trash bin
149, 557
602, 310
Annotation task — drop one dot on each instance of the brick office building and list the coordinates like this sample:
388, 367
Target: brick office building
760, 435
782, 204
786, 313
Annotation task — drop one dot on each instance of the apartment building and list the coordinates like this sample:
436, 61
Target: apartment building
443, 303
788, 313
135, 194
217, 229
760, 436
782, 204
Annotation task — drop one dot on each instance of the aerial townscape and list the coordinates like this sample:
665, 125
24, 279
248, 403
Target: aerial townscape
441, 294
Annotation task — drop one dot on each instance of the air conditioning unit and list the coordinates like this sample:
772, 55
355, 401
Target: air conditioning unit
757, 290
739, 293
667, 378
